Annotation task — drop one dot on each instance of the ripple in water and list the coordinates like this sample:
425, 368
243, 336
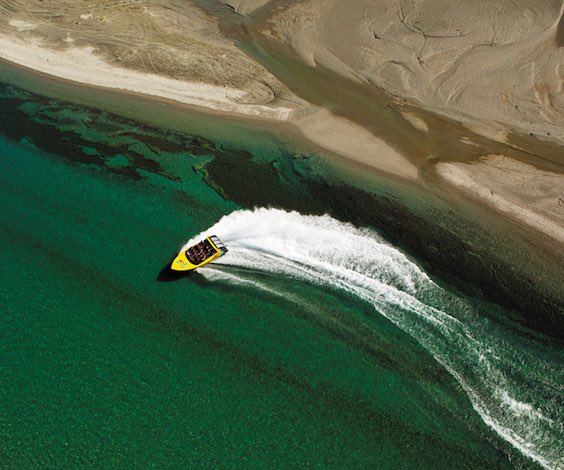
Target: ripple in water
515, 390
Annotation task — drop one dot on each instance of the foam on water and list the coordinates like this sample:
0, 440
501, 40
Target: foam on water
515, 391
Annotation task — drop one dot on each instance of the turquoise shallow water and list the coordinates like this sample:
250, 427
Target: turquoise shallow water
281, 356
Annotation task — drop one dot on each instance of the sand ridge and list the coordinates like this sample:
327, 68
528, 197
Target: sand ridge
111, 43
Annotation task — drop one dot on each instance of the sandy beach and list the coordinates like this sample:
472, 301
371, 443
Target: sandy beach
152, 49
492, 74
82, 66
516, 189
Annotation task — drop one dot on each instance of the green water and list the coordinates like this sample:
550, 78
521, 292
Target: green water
104, 366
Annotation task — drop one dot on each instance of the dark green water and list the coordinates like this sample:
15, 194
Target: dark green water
248, 365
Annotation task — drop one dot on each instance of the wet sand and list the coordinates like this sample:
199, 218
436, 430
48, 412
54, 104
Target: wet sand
425, 138
494, 67
560, 32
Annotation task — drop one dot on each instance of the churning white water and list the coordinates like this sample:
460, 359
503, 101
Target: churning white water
515, 390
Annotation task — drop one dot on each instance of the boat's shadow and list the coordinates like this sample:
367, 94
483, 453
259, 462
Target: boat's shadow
168, 275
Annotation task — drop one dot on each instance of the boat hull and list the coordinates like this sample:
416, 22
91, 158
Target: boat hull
181, 263
184, 262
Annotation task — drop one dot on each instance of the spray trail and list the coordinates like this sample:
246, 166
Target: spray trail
515, 391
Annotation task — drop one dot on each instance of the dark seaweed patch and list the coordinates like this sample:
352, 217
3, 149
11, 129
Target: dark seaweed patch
237, 176
240, 178
57, 134
158, 144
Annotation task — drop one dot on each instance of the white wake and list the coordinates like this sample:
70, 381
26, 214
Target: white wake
515, 391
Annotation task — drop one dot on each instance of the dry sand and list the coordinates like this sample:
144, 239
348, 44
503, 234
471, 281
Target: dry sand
83, 66
162, 48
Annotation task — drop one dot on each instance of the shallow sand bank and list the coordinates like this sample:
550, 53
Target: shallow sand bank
518, 190
425, 138
346, 138
84, 65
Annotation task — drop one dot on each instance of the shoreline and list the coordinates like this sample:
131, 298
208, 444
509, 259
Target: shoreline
81, 66
316, 128
484, 231
474, 213
486, 183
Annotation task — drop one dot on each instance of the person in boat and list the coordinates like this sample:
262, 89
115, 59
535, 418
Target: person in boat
195, 254
200, 252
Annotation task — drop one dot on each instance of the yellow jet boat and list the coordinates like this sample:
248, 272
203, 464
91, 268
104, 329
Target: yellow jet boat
199, 255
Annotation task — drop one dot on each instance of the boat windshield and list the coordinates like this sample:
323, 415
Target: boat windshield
200, 252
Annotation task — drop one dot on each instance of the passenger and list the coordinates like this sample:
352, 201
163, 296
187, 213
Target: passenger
201, 252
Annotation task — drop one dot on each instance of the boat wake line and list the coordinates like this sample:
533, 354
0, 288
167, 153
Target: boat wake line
513, 389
